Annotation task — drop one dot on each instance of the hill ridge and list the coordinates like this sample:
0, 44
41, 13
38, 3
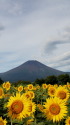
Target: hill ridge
29, 71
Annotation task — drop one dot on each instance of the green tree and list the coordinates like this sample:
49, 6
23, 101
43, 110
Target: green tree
51, 80
1, 81
64, 78
40, 81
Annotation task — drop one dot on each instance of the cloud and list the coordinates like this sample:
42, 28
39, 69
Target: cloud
29, 26
51, 46
1, 27
60, 61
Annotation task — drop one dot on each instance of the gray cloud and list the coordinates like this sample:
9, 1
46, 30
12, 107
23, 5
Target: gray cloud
51, 46
1, 27
28, 24
60, 61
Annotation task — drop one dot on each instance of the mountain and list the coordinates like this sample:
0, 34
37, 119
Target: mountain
29, 71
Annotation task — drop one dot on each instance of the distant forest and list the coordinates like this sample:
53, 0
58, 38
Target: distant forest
61, 80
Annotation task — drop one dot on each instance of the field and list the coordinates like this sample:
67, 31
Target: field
34, 104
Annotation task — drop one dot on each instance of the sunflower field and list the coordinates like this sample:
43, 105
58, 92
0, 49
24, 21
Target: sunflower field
34, 104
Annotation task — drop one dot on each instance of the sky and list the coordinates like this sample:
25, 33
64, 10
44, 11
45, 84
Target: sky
35, 30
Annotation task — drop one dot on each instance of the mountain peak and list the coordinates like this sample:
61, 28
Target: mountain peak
29, 71
32, 61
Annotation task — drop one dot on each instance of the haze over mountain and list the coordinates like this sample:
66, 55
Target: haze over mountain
29, 71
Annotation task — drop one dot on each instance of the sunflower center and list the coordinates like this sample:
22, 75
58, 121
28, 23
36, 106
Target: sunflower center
52, 91
7, 85
62, 95
54, 109
20, 88
17, 107
31, 94
44, 86
30, 87
27, 95
1, 123
69, 121
1, 92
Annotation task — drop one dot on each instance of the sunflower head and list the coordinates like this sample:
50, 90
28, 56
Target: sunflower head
18, 106
44, 86
51, 91
31, 94
30, 87
7, 85
62, 93
20, 88
29, 121
32, 108
41, 108
1, 93
37, 87
27, 95
3, 85
55, 109
3, 122
67, 121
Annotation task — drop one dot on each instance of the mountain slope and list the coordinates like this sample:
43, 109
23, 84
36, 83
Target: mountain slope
29, 71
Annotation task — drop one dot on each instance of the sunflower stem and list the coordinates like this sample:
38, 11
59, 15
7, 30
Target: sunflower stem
35, 121
58, 123
11, 122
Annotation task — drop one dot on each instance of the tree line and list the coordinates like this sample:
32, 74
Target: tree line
61, 80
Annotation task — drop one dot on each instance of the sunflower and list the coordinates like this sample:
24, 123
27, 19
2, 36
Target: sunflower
27, 95
7, 85
67, 121
18, 106
20, 88
30, 87
3, 122
32, 108
62, 93
44, 86
32, 95
40, 107
51, 91
55, 109
1, 93
26, 88
30, 121
37, 87
3, 85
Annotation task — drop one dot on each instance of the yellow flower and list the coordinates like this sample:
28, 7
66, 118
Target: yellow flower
30, 87
40, 107
67, 121
32, 95
18, 106
37, 87
7, 85
68, 83
7, 95
29, 121
27, 95
62, 93
20, 88
32, 108
26, 88
55, 109
1, 93
3, 85
51, 91
44, 86
3, 122
55, 85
